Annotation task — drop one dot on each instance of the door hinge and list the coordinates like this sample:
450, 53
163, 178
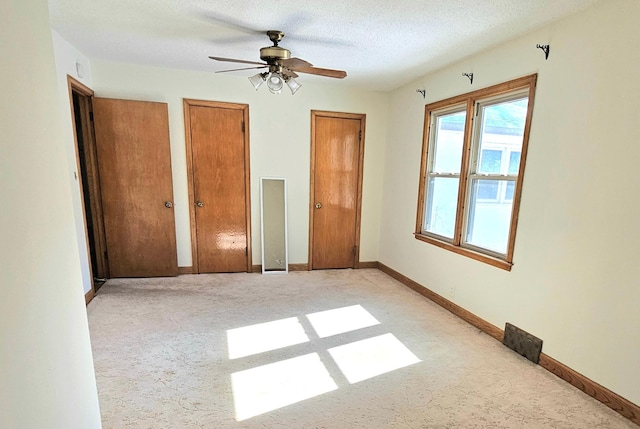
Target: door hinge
106, 256
360, 135
91, 115
476, 106
243, 126
355, 250
246, 251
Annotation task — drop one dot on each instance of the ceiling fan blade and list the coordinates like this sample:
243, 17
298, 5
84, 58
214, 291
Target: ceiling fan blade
232, 60
292, 63
338, 74
231, 23
292, 25
244, 68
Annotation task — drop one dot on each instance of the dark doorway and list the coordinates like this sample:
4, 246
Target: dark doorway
87, 167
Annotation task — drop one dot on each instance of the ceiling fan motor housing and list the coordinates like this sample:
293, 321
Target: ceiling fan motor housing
273, 54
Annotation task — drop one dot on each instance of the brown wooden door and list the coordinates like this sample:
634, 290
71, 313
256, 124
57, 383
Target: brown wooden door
337, 149
134, 160
219, 157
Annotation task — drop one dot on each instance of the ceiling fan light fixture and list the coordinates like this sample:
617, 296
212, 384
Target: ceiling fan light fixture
258, 80
292, 84
282, 67
275, 83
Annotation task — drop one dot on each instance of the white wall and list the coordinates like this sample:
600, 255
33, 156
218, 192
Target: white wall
46, 367
575, 282
279, 136
66, 57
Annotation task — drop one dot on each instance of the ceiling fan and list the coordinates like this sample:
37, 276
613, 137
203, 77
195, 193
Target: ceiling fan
282, 68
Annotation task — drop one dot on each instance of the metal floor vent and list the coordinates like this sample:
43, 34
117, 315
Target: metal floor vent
522, 342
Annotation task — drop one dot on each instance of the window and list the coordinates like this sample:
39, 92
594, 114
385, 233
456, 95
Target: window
473, 157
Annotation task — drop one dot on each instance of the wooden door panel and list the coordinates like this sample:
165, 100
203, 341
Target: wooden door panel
134, 160
336, 180
218, 156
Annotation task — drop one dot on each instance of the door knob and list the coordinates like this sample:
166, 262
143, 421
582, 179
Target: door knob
318, 205
168, 204
200, 204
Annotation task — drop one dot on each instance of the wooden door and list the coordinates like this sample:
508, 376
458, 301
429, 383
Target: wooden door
218, 158
337, 145
134, 160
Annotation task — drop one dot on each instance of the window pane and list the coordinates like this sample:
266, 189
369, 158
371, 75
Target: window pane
442, 201
488, 222
448, 142
490, 161
488, 190
502, 130
508, 195
514, 162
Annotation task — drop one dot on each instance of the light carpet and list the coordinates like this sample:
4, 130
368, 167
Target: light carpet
322, 349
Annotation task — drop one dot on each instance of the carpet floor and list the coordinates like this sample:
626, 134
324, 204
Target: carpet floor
322, 349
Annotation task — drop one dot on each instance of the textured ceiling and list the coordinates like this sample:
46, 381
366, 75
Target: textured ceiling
381, 44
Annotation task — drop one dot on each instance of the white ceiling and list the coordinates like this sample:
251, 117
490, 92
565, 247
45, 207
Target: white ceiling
381, 44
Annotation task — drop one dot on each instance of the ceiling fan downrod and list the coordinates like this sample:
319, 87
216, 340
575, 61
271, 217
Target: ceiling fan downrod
275, 36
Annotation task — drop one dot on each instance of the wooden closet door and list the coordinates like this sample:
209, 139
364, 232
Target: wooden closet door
134, 160
219, 158
335, 208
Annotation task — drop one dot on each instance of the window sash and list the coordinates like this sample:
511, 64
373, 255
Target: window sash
434, 135
428, 223
472, 203
455, 173
480, 215
478, 127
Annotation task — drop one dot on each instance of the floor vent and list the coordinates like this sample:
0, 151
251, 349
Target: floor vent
522, 342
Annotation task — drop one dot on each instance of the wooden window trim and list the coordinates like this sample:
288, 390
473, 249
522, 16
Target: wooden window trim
456, 245
499, 263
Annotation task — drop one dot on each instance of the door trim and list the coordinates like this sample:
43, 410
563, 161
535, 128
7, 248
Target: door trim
362, 118
244, 108
75, 86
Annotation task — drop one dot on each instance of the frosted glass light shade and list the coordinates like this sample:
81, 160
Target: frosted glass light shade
293, 85
275, 83
257, 80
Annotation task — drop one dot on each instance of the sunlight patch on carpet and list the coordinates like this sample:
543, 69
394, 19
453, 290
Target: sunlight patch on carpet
341, 320
266, 388
269, 387
374, 356
264, 337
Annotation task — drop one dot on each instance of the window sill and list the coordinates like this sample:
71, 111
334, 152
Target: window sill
498, 263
